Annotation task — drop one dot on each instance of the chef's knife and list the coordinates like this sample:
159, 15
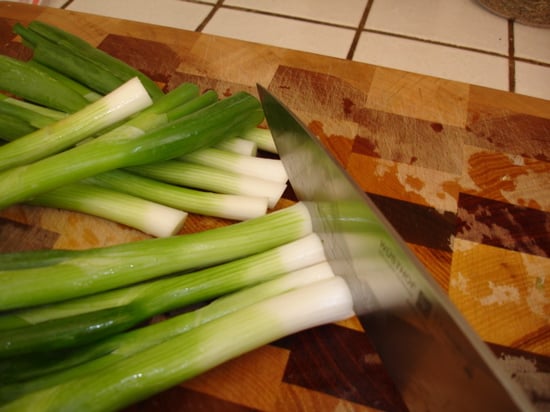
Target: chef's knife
434, 357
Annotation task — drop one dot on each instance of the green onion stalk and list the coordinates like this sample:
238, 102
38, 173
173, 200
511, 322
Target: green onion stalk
146, 215
239, 145
80, 321
202, 348
68, 53
179, 102
156, 212
93, 357
38, 86
118, 105
197, 130
84, 91
73, 66
41, 110
212, 179
234, 207
262, 138
264, 168
79, 273
34, 119
12, 127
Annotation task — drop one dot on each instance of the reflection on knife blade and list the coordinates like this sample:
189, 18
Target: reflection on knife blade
435, 358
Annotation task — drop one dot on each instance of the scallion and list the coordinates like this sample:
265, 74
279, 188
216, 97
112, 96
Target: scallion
89, 319
148, 216
194, 201
198, 350
12, 128
200, 129
84, 91
34, 119
262, 137
264, 168
44, 111
81, 273
76, 68
39, 32
212, 179
96, 356
240, 146
121, 103
32, 84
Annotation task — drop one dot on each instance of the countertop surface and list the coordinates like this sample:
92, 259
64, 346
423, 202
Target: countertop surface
489, 43
461, 171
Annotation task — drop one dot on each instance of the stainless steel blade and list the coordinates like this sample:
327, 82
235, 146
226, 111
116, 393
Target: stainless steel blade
435, 358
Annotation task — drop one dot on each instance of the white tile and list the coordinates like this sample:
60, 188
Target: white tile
532, 43
457, 22
347, 12
282, 32
172, 13
533, 80
435, 60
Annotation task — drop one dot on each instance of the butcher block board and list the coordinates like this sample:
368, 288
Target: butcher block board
462, 172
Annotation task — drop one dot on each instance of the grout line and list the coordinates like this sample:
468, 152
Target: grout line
511, 57
535, 62
359, 30
209, 16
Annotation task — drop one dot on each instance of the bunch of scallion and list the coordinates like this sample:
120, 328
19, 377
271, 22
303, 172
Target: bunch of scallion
65, 103
86, 132
261, 279
70, 93
61, 165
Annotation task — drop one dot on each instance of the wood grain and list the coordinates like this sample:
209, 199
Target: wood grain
462, 171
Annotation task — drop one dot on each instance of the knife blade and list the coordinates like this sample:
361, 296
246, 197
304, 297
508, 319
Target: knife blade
434, 357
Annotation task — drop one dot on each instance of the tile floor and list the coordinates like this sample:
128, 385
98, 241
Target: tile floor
453, 39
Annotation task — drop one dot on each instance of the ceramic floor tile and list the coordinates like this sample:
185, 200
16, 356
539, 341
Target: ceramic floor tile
458, 22
348, 12
532, 43
173, 13
533, 80
282, 32
434, 60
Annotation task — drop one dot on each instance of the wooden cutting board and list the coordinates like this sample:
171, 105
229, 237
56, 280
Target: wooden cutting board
463, 172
